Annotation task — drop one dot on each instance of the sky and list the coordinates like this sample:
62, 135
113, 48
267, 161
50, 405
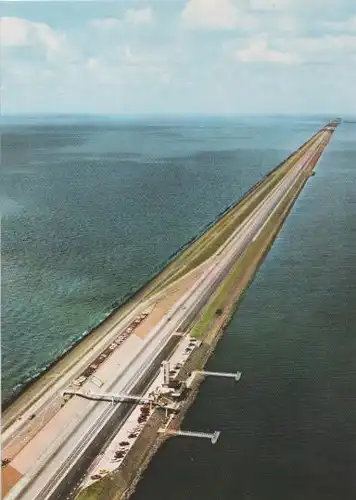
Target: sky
178, 56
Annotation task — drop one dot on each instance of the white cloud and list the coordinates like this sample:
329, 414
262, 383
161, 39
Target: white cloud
321, 49
139, 16
93, 64
140, 62
138, 55
128, 56
269, 4
257, 51
133, 17
304, 8
14, 32
107, 23
215, 14
102, 71
295, 50
348, 25
286, 23
18, 32
128, 66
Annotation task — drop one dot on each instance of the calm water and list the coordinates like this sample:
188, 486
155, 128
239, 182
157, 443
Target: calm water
91, 209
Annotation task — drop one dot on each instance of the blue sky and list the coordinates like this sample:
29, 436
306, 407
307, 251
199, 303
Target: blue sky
179, 56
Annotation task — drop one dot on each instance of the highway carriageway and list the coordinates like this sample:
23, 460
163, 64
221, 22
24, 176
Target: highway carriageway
53, 466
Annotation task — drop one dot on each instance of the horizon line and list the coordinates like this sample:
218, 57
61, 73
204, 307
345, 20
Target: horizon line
172, 114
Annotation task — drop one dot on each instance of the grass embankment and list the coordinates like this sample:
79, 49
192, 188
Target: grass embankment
230, 285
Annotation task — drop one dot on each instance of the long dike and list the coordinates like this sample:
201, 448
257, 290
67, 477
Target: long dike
120, 484
235, 282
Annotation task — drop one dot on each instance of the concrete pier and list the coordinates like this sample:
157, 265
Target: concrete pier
191, 378
205, 435
236, 375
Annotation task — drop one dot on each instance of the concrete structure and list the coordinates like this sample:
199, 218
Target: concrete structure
190, 381
131, 429
205, 435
